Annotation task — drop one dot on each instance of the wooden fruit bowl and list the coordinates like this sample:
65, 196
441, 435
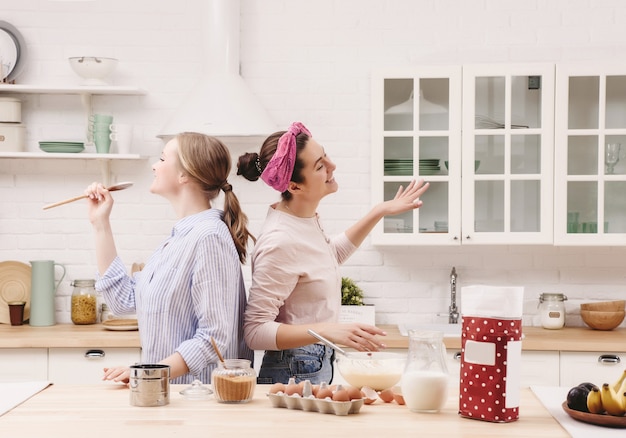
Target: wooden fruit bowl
599, 320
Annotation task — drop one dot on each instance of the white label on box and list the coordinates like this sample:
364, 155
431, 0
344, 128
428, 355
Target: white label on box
483, 353
513, 373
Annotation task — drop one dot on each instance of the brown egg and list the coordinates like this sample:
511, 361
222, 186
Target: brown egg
354, 393
324, 393
314, 389
341, 395
386, 395
293, 387
277, 387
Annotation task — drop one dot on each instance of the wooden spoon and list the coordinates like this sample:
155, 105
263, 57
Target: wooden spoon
113, 188
217, 351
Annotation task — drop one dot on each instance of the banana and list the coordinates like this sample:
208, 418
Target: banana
611, 402
618, 385
594, 401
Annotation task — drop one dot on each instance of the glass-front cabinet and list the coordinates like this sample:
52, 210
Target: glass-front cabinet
508, 147
416, 134
590, 158
482, 136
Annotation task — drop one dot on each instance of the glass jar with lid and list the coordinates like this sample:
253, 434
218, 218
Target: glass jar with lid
84, 302
233, 381
552, 310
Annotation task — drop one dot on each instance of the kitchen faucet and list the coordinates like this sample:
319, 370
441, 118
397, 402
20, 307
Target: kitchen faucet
453, 310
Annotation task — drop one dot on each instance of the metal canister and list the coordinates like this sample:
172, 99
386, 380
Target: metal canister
552, 310
149, 385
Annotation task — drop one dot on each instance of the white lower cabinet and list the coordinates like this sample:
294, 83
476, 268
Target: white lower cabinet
597, 368
540, 368
23, 364
85, 365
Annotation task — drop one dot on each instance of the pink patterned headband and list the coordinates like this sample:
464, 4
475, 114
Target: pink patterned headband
277, 173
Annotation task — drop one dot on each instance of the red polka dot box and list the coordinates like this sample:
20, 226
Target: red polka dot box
491, 356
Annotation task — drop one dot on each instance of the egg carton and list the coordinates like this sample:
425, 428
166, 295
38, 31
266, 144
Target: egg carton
312, 404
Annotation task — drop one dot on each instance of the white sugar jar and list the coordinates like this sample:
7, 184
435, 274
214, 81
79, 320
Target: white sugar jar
552, 310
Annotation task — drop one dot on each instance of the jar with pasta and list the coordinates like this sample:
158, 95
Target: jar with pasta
84, 302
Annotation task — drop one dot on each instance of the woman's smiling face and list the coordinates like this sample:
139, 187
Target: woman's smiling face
167, 171
317, 172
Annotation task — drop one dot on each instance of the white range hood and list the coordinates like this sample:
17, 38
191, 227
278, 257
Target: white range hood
221, 104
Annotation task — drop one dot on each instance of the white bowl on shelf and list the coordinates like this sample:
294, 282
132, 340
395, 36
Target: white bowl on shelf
93, 69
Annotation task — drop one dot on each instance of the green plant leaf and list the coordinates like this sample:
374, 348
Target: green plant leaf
351, 294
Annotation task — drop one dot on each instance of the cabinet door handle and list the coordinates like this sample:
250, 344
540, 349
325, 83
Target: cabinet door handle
457, 356
94, 354
609, 358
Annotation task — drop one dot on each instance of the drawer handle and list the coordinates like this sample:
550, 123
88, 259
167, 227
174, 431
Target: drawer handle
457, 356
609, 358
94, 354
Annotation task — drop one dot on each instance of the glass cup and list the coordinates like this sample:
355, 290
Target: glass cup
16, 312
572, 221
611, 157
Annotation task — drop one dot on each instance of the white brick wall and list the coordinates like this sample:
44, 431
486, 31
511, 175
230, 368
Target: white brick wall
307, 61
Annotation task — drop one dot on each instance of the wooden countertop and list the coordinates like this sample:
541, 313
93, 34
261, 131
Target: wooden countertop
536, 338
104, 410
540, 339
66, 335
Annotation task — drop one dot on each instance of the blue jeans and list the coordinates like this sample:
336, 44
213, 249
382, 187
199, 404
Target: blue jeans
312, 362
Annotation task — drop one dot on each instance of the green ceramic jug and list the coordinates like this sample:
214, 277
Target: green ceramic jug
42, 292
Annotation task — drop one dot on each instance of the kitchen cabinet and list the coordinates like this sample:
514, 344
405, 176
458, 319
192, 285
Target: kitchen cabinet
62, 365
598, 368
590, 156
508, 133
85, 365
86, 95
416, 131
482, 136
23, 364
540, 368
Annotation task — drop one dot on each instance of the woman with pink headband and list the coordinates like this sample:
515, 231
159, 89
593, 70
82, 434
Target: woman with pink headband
296, 282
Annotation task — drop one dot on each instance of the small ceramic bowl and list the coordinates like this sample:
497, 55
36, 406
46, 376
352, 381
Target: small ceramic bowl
93, 69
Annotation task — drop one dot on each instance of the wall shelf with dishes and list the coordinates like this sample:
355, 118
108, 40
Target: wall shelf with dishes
105, 160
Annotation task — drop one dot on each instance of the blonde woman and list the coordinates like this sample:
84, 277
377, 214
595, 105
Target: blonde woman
191, 288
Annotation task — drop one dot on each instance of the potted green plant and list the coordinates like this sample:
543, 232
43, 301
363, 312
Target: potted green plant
351, 293
353, 309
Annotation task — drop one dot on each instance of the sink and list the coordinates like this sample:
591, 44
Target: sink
449, 330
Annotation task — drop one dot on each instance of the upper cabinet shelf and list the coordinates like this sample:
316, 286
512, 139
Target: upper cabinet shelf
81, 90
71, 156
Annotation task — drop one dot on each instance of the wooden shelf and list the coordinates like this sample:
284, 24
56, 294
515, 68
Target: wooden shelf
71, 156
78, 89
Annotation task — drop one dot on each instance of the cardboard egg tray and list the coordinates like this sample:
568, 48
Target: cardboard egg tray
312, 404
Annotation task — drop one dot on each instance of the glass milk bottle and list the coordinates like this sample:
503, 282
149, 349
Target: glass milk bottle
425, 379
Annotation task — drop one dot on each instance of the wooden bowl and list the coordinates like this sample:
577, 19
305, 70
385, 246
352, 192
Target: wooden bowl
605, 306
599, 320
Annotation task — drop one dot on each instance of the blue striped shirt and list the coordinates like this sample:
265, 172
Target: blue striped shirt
190, 289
